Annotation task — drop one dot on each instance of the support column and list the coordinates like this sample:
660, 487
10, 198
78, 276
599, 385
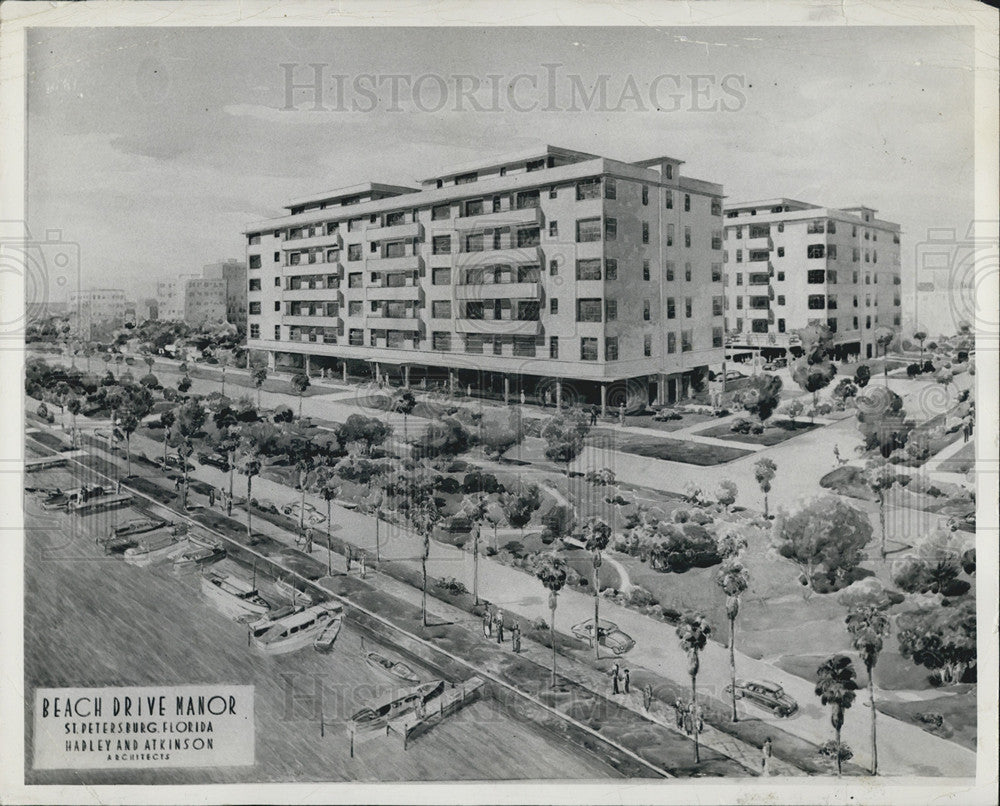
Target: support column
506, 389
378, 373
406, 376
272, 360
451, 381
307, 363
558, 394
343, 369
604, 399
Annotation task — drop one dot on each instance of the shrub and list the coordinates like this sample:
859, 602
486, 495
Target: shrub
681, 515
640, 597
282, 414
679, 550
451, 585
741, 426
913, 370
928, 366
670, 615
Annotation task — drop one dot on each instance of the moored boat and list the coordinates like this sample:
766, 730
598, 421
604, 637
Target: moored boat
325, 640
394, 668
380, 712
195, 555
234, 595
266, 622
286, 588
297, 630
150, 547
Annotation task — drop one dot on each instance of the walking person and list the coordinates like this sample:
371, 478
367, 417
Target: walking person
593, 415
348, 556
688, 720
765, 757
626, 680
679, 713
211, 497
647, 696
499, 622
515, 637
364, 565
615, 677
487, 623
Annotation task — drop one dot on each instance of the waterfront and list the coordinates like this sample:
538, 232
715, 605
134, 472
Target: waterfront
92, 620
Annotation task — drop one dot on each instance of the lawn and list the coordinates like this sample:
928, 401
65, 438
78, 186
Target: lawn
775, 432
961, 462
686, 421
677, 450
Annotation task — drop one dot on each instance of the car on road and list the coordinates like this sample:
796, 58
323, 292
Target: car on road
765, 694
734, 374
608, 636
214, 460
312, 516
777, 363
174, 461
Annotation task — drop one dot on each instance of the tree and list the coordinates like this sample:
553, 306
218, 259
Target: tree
167, 420
726, 493
880, 476
825, 539
369, 431
404, 402
128, 421
551, 570
693, 631
942, 639
734, 580
763, 471
812, 378
844, 390
249, 463
868, 625
190, 419
761, 395
884, 337
74, 405
329, 488
226, 421
424, 516
794, 409
445, 436
596, 536
184, 384
499, 431
474, 507
259, 375
300, 382
564, 434
303, 450
921, 336
936, 565
520, 506
862, 375
836, 686
882, 421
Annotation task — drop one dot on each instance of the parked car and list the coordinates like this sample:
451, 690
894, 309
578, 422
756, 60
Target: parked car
608, 635
174, 461
312, 516
766, 695
734, 374
777, 363
215, 460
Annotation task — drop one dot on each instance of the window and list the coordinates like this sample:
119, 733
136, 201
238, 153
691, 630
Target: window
759, 230
758, 256
815, 250
669, 270
440, 212
781, 299
553, 346
716, 306
739, 255
588, 189
589, 269
441, 309
645, 269
354, 280
356, 337
687, 307
535, 165
441, 245
554, 305
355, 308
831, 251
524, 346
717, 207
781, 276
758, 325
687, 236
670, 234
739, 278
831, 276
254, 331
610, 269
716, 336
354, 251
645, 195
527, 311
474, 243
814, 227
528, 274
277, 332
353, 225
394, 249
645, 232
611, 310
441, 341
781, 226
831, 303
526, 200
815, 276
668, 196
687, 202
277, 306
739, 233
254, 284
441, 276
254, 261
687, 272
253, 239
331, 255
671, 308
588, 310
588, 349
645, 310
254, 308
817, 302
588, 230
610, 189
553, 267
781, 251
610, 229
611, 348
552, 193
394, 219
466, 179
553, 229
716, 239
685, 341
528, 237
671, 342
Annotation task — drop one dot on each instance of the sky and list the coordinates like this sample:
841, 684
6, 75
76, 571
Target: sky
153, 148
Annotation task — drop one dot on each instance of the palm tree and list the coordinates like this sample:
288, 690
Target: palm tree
474, 507
167, 420
404, 402
597, 535
693, 631
551, 571
764, 470
329, 489
259, 375
734, 580
880, 477
190, 419
883, 338
424, 515
128, 422
74, 405
868, 625
921, 336
249, 459
302, 450
835, 686
300, 382
229, 441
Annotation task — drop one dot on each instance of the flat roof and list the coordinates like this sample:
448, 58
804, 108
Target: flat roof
499, 160
351, 190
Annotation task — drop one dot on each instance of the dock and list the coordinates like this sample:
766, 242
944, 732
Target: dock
104, 502
44, 462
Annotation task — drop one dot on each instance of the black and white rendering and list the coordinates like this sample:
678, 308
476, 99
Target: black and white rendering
561, 408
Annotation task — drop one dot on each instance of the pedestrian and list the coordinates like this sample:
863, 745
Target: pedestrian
177, 483
487, 623
348, 557
627, 677
499, 623
765, 757
688, 720
647, 696
593, 415
515, 637
679, 713
522, 397
364, 565
211, 497
615, 677
118, 484
309, 540
621, 414
699, 720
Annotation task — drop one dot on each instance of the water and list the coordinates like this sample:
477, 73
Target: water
91, 620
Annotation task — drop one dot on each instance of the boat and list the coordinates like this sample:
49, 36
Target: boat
379, 713
264, 623
286, 588
137, 526
297, 630
198, 555
59, 499
395, 668
324, 641
150, 547
234, 595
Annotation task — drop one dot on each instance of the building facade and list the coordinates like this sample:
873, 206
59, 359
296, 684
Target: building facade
790, 264
192, 299
234, 273
553, 273
95, 314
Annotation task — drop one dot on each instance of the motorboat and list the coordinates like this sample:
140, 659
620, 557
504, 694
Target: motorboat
380, 712
297, 630
150, 547
266, 622
59, 499
396, 669
325, 640
195, 555
125, 535
234, 595
288, 589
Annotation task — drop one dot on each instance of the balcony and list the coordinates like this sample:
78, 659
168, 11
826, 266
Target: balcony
332, 241
407, 231
311, 321
407, 262
319, 266
306, 294
411, 323
410, 291
506, 327
507, 255
504, 218
499, 291
762, 243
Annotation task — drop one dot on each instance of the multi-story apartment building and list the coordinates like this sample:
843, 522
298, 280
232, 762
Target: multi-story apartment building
234, 273
192, 299
790, 264
96, 313
552, 270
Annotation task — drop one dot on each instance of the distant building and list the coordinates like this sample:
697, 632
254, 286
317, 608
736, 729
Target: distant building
147, 309
191, 299
96, 313
790, 264
234, 273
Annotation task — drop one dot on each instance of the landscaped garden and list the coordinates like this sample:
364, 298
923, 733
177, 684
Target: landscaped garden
775, 432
